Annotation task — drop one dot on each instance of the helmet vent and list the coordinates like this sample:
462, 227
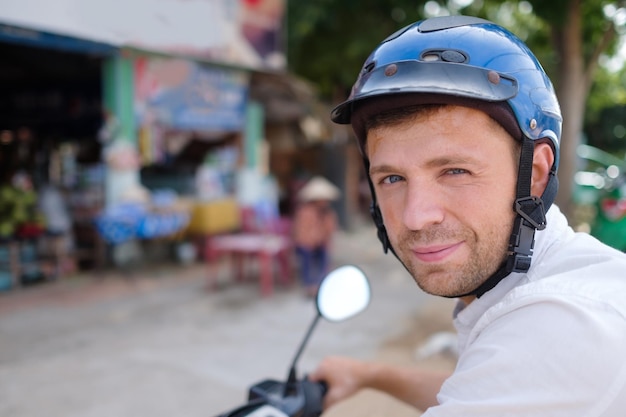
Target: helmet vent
448, 22
445, 55
368, 68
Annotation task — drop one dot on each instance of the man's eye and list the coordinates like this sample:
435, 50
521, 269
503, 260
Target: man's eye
456, 171
392, 179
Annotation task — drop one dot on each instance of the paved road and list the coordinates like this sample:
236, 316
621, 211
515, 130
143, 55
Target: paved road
158, 343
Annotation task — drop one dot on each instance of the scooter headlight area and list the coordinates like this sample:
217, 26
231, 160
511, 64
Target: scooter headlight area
342, 294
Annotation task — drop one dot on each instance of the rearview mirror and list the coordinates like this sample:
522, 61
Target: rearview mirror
344, 293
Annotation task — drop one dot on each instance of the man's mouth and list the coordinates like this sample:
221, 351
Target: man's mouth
435, 253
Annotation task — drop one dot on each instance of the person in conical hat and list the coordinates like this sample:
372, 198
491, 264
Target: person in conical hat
314, 225
319, 188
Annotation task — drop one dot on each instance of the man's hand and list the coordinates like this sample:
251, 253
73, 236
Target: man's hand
344, 376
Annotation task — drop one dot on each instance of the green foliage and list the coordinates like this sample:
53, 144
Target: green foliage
551, 11
17, 207
595, 25
609, 131
608, 90
328, 40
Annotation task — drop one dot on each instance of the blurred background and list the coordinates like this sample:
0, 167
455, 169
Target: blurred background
136, 134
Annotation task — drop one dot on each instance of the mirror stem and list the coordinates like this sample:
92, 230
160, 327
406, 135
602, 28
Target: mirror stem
292, 378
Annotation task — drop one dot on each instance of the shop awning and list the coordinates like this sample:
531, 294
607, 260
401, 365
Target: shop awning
240, 33
38, 38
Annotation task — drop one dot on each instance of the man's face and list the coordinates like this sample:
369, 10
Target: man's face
445, 184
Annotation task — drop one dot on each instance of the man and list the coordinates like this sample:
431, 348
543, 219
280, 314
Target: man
314, 225
459, 129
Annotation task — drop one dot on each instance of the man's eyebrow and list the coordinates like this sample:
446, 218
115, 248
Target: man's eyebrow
381, 169
450, 160
433, 163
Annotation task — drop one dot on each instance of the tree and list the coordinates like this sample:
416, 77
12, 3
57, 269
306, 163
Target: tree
580, 33
568, 36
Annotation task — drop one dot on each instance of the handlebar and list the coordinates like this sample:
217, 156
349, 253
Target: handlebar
302, 398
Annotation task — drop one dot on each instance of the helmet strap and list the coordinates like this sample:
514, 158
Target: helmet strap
381, 232
377, 216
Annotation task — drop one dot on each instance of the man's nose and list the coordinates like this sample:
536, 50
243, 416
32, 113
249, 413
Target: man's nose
423, 205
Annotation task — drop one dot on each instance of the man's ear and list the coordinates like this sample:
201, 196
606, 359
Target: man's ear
543, 158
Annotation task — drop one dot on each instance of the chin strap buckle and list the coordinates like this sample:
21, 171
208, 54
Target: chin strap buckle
531, 217
521, 247
531, 209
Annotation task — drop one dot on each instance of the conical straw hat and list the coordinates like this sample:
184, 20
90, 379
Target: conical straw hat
319, 188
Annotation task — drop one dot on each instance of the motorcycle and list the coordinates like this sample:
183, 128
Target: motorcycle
343, 293
604, 190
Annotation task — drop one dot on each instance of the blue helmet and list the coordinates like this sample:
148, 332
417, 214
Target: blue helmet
471, 62
457, 60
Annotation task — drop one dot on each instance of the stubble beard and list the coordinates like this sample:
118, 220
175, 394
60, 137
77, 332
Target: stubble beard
454, 278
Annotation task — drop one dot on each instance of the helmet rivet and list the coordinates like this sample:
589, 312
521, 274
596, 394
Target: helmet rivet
391, 69
533, 124
493, 77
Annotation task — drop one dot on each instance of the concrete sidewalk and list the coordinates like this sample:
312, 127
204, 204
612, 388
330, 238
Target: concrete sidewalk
158, 343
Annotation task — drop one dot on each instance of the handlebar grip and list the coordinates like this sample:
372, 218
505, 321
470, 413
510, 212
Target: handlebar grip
314, 393
323, 387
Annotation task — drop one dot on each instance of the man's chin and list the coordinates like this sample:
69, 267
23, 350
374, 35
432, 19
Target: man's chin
433, 285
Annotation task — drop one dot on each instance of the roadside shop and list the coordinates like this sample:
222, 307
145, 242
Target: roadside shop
108, 140
51, 171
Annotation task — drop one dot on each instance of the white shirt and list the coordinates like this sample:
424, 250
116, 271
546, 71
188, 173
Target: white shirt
550, 342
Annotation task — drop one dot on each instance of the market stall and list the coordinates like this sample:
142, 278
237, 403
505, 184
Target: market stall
51, 175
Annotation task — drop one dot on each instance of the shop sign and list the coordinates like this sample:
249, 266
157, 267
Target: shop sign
187, 95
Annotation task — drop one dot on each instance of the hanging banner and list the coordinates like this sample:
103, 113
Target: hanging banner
185, 95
